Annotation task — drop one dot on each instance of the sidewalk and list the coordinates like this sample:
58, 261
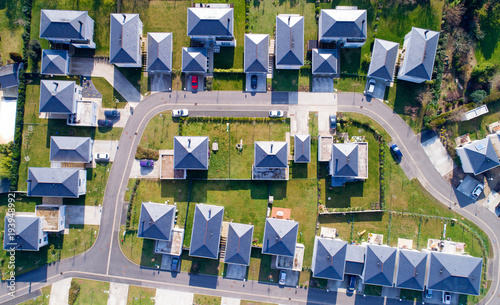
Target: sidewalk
59, 292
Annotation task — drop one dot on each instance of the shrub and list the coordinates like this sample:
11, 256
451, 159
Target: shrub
35, 51
74, 291
478, 96
16, 57
146, 153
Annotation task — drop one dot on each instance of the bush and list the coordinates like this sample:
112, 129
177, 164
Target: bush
74, 291
16, 57
35, 51
478, 96
146, 153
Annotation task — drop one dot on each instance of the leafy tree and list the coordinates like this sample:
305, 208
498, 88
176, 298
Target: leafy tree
478, 96
35, 51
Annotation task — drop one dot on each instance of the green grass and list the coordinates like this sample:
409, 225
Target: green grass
246, 302
11, 37
193, 264
305, 80
229, 81
414, 295
200, 299
140, 295
488, 49
139, 250
92, 292
350, 84
160, 132
285, 80
260, 267
42, 299
136, 78
403, 96
108, 93
373, 290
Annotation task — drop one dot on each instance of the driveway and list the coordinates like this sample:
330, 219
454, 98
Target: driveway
109, 147
160, 82
83, 215
139, 171
438, 154
379, 90
322, 84
188, 82
7, 120
117, 121
59, 292
261, 82
230, 301
172, 297
118, 294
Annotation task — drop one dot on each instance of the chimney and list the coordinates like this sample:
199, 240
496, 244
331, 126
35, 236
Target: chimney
425, 33
289, 19
81, 25
271, 148
189, 143
124, 17
56, 85
209, 213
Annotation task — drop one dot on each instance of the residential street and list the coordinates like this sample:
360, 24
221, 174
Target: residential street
105, 261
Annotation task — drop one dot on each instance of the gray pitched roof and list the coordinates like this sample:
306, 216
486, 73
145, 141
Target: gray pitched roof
54, 62
478, 156
9, 75
53, 182
280, 237
324, 61
302, 148
70, 149
354, 260
206, 21
125, 47
239, 244
421, 46
156, 221
383, 62
411, 269
27, 232
191, 153
290, 40
57, 96
329, 258
256, 53
454, 273
205, 236
64, 25
342, 24
379, 265
344, 162
194, 60
159, 52
271, 154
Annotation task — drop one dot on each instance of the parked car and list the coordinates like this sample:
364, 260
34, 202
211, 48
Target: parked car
146, 163
112, 113
446, 297
275, 114
333, 122
428, 293
396, 152
352, 284
179, 112
105, 123
175, 263
101, 157
371, 87
194, 82
253, 81
477, 191
282, 277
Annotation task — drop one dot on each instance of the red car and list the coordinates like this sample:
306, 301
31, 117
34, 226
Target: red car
194, 82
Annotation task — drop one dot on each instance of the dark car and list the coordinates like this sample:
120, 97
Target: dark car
253, 81
146, 163
333, 122
105, 123
194, 82
396, 152
352, 284
175, 263
112, 113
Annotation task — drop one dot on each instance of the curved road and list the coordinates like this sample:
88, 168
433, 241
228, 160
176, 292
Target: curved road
105, 261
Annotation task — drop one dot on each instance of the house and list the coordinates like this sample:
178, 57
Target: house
270, 161
29, 234
9, 75
383, 62
289, 41
349, 162
380, 265
411, 268
280, 237
239, 244
71, 149
478, 156
302, 148
419, 52
207, 225
454, 273
156, 221
329, 258
191, 152
125, 40
346, 26
159, 58
53, 217
55, 62
256, 55
56, 182
59, 96
67, 27
325, 62
212, 22
194, 60
355, 260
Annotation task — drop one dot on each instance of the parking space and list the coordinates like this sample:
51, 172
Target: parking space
322, 84
378, 89
324, 122
166, 263
83, 215
438, 155
292, 278
118, 294
120, 121
160, 82
261, 82
188, 82
237, 272
139, 171
107, 147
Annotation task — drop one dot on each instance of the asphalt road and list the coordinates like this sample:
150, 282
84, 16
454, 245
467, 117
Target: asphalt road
105, 261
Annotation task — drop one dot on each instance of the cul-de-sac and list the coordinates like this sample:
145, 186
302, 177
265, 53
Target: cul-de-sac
250, 152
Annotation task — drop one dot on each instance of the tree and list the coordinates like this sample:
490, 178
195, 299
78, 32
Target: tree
35, 51
16, 57
478, 96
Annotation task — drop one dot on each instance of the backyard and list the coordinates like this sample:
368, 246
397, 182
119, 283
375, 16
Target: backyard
92, 292
11, 29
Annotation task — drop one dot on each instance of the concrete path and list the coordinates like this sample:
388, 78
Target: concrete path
7, 120
109, 147
145, 172
59, 292
438, 155
171, 297
230, 301
118, 294
83, 215
102, 68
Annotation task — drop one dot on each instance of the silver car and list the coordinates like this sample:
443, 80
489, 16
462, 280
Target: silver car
179, 112
275, 114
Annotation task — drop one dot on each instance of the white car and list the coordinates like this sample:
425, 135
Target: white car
446, 297
371, 88
101, 157
275, 114
477, 191
179, 112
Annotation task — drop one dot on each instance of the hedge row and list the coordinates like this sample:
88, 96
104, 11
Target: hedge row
131, 203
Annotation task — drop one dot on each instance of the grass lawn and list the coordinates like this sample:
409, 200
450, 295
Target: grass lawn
246, 302
11, 36
200, 299
136, 78
402, 98
488, 49
140, 295
108, 93
229, 81
305, 80
407, 294
260, 267
160, 132
285, 80
42, 299
350, 83
92, 292
193, 264
372, 223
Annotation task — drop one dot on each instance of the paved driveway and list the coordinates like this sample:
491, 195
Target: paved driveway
160, 82
230, 301
118, 294
438, 155
172, 297
138, 171
83, 215
322, 84
261, 82
109, 147
59, 292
